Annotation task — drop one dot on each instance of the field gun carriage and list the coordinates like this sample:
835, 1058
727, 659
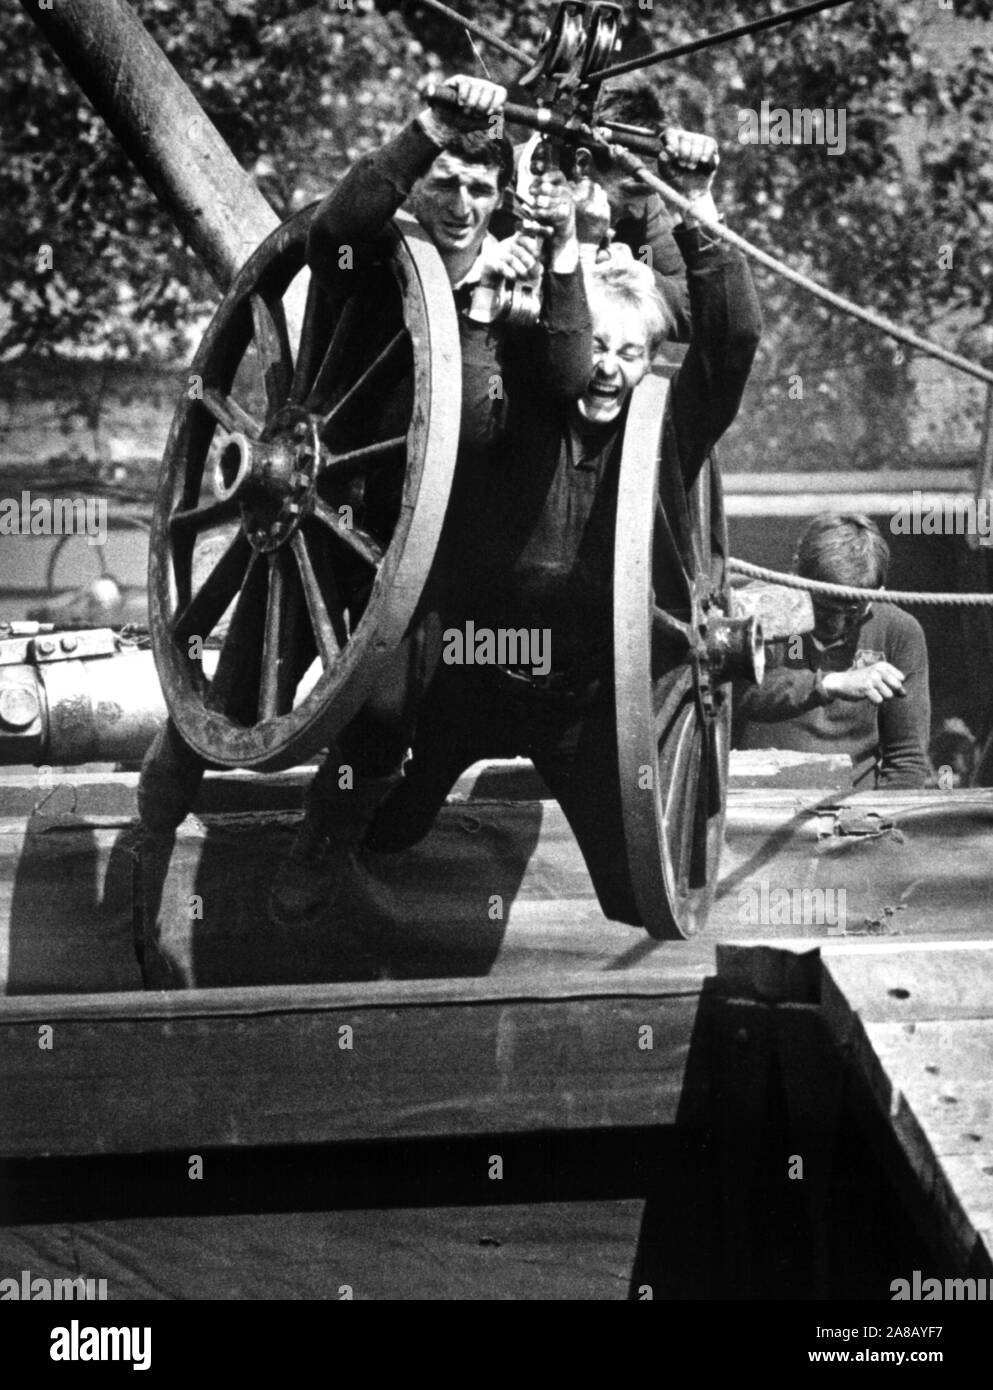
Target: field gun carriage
293, 533
297, 522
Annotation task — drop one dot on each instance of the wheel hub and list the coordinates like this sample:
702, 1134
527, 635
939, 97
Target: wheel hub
274, 479
724, 649
734, 647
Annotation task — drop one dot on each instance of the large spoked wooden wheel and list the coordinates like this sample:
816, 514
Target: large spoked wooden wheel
675, 650
302, 498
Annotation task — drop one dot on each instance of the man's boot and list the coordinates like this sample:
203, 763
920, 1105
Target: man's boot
335, 820
170, 778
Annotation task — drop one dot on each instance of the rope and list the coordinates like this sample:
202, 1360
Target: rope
837, 301
518, 54
816, 586
662, 55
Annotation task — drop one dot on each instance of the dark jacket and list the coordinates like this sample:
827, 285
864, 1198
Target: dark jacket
545, 557
554, 358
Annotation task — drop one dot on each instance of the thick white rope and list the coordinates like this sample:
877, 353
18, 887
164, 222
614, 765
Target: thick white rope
846, 591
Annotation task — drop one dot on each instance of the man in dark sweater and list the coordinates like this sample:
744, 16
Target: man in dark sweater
547, 559
858, 683
449, 173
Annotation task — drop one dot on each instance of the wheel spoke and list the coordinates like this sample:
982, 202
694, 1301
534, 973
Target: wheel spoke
686, 830
672, 626
323, 604
275, 357
673, 697
336, 355
679, 815
208, 605
272, 657
355, 461
230, 414
317, 324
674, 543
197, 519
700, 812
356, 539
388, 357
233, 689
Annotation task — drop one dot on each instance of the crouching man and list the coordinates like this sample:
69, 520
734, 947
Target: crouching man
857, 684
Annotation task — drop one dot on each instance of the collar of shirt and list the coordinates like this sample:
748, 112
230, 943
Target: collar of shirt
475, 272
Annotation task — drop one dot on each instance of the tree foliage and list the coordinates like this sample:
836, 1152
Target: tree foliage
299, 90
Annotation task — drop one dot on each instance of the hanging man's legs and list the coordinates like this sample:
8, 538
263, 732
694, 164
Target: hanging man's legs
578, 763
170, 778
358, 773
362, 767
454, 730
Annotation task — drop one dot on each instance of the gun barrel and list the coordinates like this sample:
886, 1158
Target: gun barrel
75, 697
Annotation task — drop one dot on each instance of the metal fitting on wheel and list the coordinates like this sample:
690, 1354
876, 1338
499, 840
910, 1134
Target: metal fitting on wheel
735, 648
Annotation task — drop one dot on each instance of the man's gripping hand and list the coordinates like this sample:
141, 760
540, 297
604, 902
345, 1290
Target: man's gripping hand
688, 162
514, 258
552, 214
476, 104
876, 683
592, 211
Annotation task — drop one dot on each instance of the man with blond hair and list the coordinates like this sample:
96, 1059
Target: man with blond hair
544, 557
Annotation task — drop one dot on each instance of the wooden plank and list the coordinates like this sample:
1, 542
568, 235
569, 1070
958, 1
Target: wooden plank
66, 882
909, 983
933, 1083
678, 979
915, 1022
66, 908
495, 889
777, 767
136, 1084
918, 1024
945, 1072
891, 980
429, 911
541, 1250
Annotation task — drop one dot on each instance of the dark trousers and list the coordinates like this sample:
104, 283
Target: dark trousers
470, 713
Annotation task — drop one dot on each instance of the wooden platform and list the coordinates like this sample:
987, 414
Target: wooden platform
912, 1023
643, 1098
74, 892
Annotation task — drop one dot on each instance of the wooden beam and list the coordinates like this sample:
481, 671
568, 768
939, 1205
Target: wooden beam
132, 1073
523, 1251
915, 1022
